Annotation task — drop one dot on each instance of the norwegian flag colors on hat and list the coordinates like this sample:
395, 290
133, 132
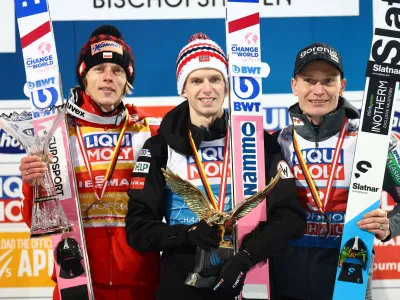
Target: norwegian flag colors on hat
199, 53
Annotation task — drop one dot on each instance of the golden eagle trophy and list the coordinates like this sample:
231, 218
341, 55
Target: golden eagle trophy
198, 202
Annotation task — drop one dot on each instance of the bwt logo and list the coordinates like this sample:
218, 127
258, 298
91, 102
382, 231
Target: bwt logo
42, 83
45, 98
10, 187
9, 145
245, 89
246, 70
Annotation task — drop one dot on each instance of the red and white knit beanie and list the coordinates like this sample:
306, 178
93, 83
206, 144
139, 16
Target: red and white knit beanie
199, 53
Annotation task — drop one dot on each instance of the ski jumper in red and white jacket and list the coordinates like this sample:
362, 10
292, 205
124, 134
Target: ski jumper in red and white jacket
113, 263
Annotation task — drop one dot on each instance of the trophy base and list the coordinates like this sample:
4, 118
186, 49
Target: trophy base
209, 259
52, 231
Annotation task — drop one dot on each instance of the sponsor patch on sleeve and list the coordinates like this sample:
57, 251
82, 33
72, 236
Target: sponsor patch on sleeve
141, 167
286, 172
297, 122
153, 121
145, 153
137, 183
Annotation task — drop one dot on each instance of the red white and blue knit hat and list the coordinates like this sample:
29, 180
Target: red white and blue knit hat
199, 53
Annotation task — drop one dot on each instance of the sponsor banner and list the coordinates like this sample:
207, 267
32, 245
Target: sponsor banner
25, 262
387, 260
377, 110
9, 145
10, 197
7, 17
190, 9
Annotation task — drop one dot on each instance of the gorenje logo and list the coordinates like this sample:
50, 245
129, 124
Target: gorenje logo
363, 166
315, 50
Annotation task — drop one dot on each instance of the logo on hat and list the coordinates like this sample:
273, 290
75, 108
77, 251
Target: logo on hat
106, 46
82, 68
107, 55
204, 58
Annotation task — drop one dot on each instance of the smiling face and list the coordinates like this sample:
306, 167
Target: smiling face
105, 83
205, 90
318, 87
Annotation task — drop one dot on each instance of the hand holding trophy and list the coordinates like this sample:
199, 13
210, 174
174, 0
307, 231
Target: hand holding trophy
48, 217
197, 201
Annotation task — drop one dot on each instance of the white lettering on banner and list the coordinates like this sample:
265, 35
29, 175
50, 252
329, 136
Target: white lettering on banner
8, 141
32, 265
392, 242
387, 266
275, 118
190, 9
23, 257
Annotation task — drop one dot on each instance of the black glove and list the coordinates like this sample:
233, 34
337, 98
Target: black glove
203, 235
230, 274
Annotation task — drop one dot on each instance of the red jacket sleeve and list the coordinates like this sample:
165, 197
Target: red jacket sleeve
26, 203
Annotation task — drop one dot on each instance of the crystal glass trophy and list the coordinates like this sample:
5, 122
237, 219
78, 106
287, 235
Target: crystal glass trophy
48, 216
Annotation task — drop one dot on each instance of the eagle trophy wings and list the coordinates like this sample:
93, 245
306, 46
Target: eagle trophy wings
198, 202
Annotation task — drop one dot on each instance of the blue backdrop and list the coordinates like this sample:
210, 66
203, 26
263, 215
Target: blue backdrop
156, 43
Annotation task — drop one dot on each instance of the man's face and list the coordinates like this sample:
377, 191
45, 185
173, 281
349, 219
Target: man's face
205, 91
105, 83
318, 87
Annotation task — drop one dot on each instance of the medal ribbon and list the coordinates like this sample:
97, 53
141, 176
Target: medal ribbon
99, 192
204, 178
307, 175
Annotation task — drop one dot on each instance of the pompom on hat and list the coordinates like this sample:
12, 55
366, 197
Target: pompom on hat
199, 53
105, 45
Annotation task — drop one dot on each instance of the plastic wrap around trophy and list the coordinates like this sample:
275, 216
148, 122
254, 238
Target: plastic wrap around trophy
48, 216
198, 202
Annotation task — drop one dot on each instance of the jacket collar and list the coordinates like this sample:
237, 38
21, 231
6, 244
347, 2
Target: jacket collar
329, 127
